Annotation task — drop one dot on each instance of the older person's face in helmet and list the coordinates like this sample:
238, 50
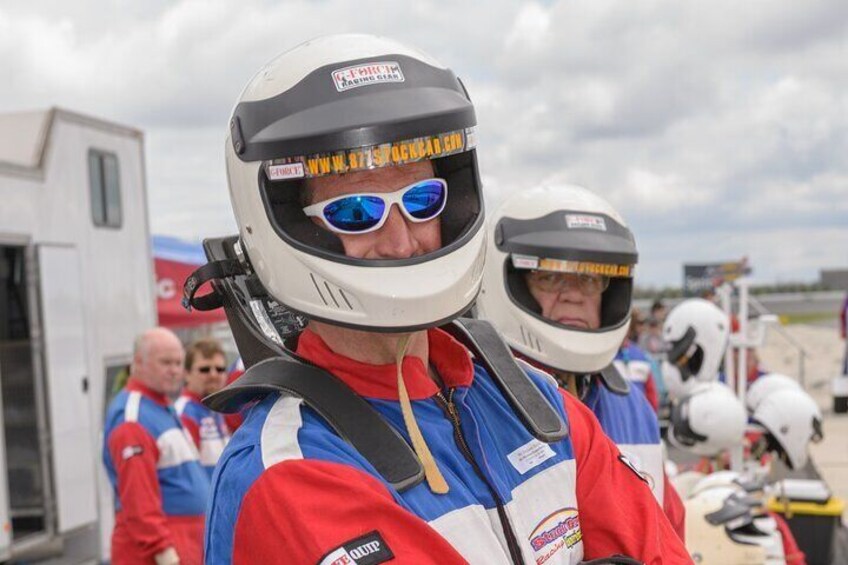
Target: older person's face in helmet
397, 238
569, 299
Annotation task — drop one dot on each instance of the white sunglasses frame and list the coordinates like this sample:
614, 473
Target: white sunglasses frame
389, 198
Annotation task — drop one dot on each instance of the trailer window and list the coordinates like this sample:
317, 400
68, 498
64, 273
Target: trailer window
104, 182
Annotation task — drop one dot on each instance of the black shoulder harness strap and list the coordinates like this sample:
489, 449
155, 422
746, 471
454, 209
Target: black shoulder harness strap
614, 380
526, 400
271, 367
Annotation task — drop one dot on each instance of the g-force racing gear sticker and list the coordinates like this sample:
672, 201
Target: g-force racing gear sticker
369, 549
585, 221
367, 73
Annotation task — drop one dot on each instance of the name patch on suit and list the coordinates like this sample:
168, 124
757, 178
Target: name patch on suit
530, 455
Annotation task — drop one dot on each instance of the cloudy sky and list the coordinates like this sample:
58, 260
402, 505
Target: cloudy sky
719, 129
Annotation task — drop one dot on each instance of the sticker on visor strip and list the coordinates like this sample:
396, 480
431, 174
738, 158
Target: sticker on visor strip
578, 267
373, 157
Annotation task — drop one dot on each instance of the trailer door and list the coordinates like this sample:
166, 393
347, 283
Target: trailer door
5, 518
63, 317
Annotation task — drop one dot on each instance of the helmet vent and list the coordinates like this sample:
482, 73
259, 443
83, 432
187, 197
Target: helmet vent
331, 295
530, 340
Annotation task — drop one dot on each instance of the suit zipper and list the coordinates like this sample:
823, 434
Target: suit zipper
450, 409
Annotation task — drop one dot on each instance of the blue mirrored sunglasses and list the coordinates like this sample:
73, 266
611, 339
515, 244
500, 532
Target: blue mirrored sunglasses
366, 212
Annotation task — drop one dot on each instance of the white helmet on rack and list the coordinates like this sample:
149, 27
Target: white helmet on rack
765, 385
551, 230
792, 420
344, 104
709, 420
718, 479
713, 518
696, 332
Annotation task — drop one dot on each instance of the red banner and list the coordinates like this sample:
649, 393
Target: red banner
170, 276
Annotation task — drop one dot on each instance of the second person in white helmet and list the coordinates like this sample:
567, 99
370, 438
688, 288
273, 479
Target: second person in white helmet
558, 285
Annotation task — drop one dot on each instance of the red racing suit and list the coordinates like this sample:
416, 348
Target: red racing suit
160, 488
288, 489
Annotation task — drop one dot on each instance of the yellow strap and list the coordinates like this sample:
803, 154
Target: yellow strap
435, 480
571, 382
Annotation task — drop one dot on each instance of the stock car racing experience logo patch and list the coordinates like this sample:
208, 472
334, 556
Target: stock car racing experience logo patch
557, 530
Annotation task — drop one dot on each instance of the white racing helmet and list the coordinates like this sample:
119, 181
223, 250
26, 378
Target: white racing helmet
747, 483
709, 420
696, 332
718, 479
792, 420
765, 385
339, 105
716, 528
560, 229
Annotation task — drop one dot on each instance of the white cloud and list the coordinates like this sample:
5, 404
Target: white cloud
720, 129
531, 29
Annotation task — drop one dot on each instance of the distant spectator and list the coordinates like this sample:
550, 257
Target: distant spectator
206, 373
637, 367
652, 343
651, 339
637, 325
753, 368
160, 488
710, 294
659, 310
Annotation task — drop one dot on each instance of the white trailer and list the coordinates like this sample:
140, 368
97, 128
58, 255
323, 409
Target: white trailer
76, 287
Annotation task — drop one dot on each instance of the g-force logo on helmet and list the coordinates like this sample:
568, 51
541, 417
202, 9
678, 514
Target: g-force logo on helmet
585, 221
366, 74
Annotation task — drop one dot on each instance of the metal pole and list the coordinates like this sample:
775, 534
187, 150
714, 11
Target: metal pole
742, 368
724, 294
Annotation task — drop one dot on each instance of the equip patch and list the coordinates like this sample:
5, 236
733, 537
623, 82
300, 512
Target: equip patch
369, 549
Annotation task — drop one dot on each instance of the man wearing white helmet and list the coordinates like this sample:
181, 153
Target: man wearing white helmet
353, 177
558, 286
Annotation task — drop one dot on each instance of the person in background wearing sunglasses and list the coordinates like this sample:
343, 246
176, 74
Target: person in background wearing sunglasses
353, 175
205, 373
558, 285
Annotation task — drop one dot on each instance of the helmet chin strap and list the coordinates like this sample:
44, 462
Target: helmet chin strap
576, 385
435, 480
